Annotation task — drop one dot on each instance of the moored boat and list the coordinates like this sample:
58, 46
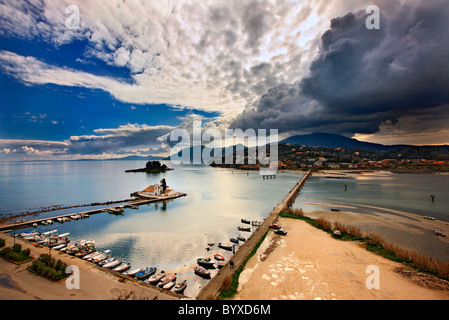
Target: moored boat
205, 262
241, 238
234, 240
219, 257
180, 287
166, 279
201, 271
155, 278
101, 257
281, 232
141, 275
245, 221
106, 261
133, 272
225, 246
335, 210
123, 267
242, 228
112, 264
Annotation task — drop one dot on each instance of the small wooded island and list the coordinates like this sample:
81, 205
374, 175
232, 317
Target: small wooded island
151, 167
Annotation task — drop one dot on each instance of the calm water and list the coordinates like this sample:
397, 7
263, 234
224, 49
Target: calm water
403, 192
170, 235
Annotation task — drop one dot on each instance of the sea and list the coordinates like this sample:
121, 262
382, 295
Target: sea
172, 235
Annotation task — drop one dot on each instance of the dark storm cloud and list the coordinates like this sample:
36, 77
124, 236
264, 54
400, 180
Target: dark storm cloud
363, 78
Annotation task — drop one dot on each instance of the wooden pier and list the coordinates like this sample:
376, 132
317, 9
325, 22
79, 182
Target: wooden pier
212, 289
130, 204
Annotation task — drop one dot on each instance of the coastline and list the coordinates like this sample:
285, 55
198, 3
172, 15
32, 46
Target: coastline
95, 283
308, 264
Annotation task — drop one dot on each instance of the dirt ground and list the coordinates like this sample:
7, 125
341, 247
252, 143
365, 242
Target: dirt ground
309, 264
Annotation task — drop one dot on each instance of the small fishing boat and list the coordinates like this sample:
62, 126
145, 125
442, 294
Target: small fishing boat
201, 271
256, 223
225, 246
245, 221
133, 272
211, 244
220, 264
241, 238
241, 228
123, 267
234, 240
335, 210
281, 232
180, 287
205, 262
91, 255
155, 278
219, 257
275, 226
145, 273
112, 264
429, 218
166, 279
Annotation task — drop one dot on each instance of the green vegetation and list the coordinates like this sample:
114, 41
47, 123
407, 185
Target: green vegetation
49, 268
230, 285
15, 254
377, 244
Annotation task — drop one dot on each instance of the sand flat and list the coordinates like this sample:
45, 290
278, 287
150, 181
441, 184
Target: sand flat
309, 264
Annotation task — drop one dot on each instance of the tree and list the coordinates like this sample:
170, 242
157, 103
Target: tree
164, 185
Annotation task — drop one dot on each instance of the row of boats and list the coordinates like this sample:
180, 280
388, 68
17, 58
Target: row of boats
76, 216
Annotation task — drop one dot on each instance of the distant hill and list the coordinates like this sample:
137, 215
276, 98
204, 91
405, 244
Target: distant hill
328, 140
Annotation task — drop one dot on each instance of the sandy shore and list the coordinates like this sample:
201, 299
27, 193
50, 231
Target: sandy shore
17, 283
309, 264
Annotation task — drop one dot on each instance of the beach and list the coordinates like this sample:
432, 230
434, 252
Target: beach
308, 264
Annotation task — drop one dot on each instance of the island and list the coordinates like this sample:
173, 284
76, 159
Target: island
151, 167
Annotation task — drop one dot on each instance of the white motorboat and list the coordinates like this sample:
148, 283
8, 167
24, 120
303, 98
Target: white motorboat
59, 247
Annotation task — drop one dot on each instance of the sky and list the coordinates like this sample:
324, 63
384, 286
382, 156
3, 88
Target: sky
113, 78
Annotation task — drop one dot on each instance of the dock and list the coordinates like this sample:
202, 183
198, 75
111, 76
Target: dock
212, 289
130, 204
